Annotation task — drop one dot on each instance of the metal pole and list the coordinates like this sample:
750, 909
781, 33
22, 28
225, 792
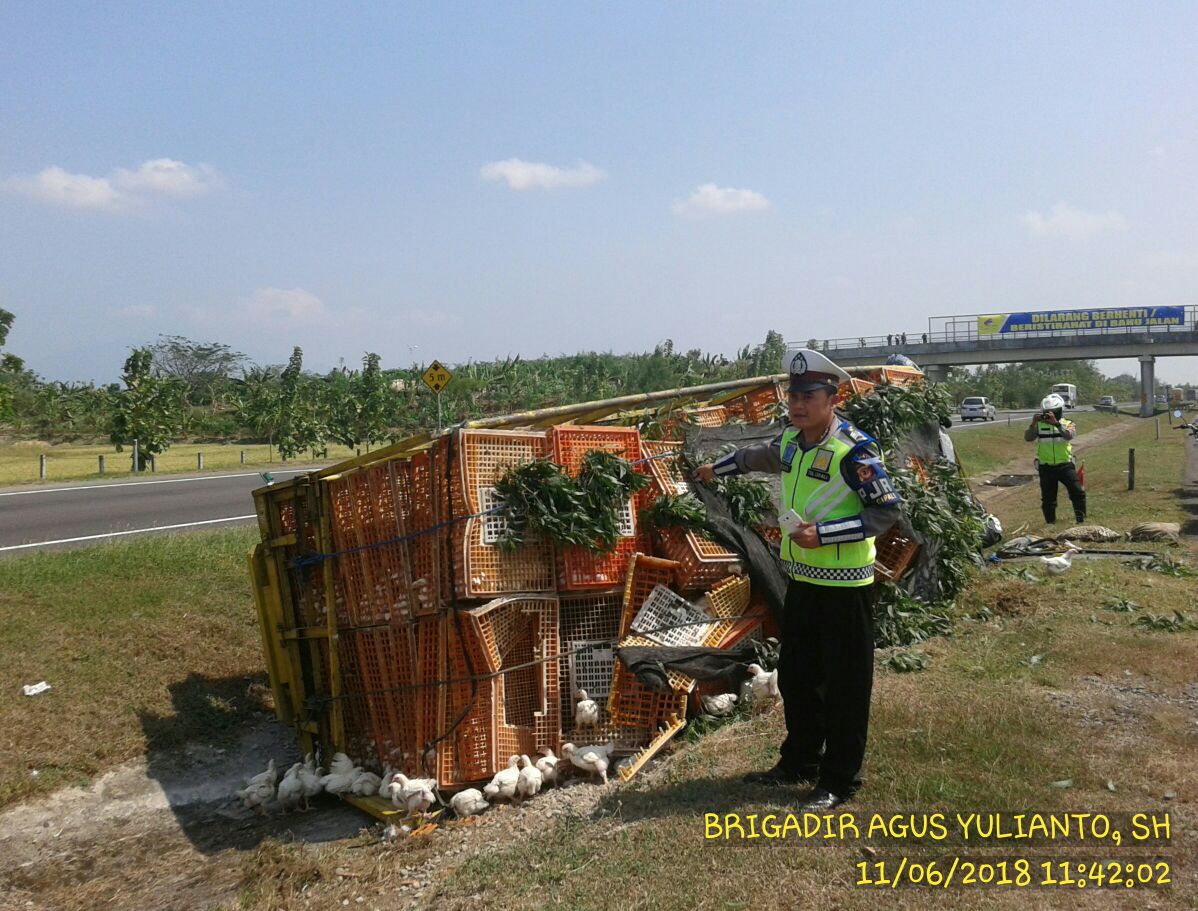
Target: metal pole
438, 412
101, 464
153, 463
1158, 428
1131, 469
243, 457
136, 460
199, 461
41, 466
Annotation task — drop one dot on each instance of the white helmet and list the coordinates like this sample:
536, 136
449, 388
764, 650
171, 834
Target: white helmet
1052, 403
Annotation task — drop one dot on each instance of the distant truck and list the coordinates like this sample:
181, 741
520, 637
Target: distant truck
1068, 392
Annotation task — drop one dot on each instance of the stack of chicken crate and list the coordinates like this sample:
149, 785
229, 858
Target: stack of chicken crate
397, 629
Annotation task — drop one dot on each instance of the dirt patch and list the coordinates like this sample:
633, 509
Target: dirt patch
167, 835
163, 834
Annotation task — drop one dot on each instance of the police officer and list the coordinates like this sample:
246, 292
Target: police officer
1054, 434
833, 477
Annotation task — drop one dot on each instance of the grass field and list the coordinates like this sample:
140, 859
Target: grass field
155, 638
988, 448
77, 461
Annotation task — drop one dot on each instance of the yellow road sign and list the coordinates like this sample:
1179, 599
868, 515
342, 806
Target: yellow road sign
437, 377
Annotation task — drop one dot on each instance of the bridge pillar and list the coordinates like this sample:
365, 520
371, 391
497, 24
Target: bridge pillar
936, 373
1147, 385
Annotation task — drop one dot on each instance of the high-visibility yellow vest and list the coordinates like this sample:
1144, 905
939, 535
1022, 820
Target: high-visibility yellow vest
1053, 448
812, 485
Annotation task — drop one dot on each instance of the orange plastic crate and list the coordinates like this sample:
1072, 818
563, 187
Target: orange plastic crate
729, 600
577, 568
855, 386
516, 709
761, 406
386, 673
701, 561
895, 553
631, 704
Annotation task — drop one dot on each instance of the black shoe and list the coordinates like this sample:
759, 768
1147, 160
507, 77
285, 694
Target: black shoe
820, 800
780, 774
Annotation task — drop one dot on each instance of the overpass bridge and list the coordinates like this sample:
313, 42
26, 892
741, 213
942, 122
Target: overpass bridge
957, 341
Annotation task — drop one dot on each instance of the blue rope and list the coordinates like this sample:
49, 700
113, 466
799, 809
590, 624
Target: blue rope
315, 559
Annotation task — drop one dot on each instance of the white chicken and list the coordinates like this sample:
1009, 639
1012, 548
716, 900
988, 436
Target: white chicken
342, 775
1056, 566
761, 684
593, 759
309, 776
720, 705
586, 710
385, 782
366, 784
259, 789
415, 795
291, 789
547, 765
503, 785
530, 780
469, 802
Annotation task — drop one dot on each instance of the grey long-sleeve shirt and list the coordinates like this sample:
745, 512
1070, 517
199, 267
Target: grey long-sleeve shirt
861, 469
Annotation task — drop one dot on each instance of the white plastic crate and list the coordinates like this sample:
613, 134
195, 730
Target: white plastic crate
592, 664
494, 524
688, 624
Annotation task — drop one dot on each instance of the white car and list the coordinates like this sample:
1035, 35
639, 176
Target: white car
977, 408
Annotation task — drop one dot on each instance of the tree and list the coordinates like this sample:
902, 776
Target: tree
299, 425
149, 409
15, 365
202, 366
256, 401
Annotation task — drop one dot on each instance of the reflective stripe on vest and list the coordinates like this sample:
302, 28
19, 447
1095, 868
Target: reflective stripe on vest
1052, 448
812, 485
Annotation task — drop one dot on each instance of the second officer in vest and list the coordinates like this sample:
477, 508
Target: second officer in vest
1053, 435
834, 479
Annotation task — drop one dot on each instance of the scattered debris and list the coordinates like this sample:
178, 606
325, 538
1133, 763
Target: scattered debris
1094, 533
33, 689
908, 660
1155, 531
1121, 605
1175, 624
1064, 784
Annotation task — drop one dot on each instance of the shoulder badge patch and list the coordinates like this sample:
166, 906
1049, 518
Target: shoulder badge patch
865, 473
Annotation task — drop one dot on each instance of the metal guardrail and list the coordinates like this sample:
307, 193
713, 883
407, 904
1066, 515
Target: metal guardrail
963, 329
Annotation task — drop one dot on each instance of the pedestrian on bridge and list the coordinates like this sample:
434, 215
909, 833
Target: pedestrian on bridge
1054, 435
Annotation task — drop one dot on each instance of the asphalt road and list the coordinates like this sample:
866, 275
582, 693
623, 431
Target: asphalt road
54, 518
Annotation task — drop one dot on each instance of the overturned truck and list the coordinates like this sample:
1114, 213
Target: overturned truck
399, 629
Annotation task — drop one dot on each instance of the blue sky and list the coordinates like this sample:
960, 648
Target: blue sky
466, 181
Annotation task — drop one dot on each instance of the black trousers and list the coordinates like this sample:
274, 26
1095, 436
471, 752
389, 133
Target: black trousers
826, 675
1050, 476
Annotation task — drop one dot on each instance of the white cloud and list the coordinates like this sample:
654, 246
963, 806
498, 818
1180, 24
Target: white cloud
122, 190
295, 305
138, 311
168, 177
710, 199
1068, 221
527, 175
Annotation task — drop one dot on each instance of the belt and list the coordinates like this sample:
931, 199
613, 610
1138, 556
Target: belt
829, 573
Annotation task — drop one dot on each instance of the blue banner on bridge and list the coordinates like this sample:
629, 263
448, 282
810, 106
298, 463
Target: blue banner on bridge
1078, 320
